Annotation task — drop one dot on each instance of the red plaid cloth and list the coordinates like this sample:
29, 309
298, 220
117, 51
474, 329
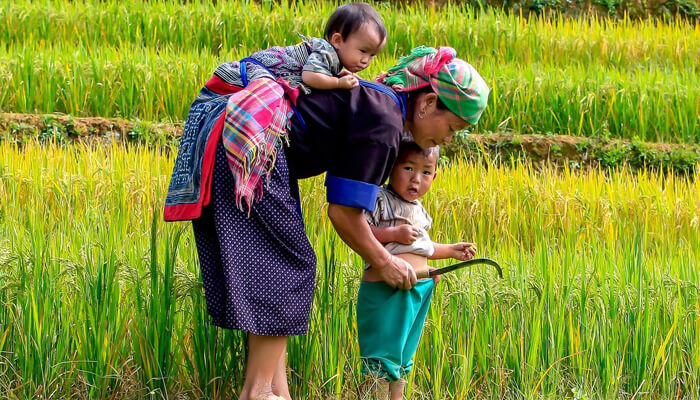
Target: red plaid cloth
256, 120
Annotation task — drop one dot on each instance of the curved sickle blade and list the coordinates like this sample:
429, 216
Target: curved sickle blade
468, 263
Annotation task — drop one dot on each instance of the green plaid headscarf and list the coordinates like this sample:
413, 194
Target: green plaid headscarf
456, 83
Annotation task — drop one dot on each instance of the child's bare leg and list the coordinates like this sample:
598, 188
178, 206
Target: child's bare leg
374, 388
396, 389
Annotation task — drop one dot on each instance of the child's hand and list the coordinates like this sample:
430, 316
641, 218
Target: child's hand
405, 234
463, 251
348, 82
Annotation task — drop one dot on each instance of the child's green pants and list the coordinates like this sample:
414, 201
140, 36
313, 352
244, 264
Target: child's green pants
389, 325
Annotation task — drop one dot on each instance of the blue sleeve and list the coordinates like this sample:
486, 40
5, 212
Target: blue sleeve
351, 193
356, 173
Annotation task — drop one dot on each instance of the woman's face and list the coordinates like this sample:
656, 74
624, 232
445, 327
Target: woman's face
432, 126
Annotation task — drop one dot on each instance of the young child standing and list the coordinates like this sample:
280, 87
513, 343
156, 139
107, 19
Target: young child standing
390, 321
266, 85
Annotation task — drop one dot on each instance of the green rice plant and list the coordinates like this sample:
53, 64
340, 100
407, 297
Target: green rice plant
153, 336
40, 350
148, 60
215, 27
599, 300
102, 335
212, 355
651, 104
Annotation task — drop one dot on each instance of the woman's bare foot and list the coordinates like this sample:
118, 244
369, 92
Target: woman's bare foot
268, 397
262, 395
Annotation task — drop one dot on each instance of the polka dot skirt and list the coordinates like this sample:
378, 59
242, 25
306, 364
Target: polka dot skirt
258, 271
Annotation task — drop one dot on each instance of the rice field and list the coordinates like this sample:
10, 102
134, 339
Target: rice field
100, 299
600, 298
147, 59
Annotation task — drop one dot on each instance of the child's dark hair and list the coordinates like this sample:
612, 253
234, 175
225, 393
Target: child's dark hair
348, 18
411, 146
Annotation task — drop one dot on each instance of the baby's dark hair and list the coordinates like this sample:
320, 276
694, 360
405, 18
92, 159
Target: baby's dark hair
411, 146
348, 18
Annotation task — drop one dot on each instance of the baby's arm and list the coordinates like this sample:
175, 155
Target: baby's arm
461, 251
322, 67
404, 234
318, 80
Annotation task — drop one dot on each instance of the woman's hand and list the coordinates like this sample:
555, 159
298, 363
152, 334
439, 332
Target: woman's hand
405, 234
463, 251
397, 273
352, 227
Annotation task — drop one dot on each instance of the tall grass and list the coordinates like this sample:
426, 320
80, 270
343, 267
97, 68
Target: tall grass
600, 296
147, 60
652, 104
219, 27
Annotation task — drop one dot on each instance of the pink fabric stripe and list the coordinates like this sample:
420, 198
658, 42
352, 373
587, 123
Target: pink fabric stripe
256, 118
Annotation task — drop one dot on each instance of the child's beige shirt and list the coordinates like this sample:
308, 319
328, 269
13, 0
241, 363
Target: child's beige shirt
391, 210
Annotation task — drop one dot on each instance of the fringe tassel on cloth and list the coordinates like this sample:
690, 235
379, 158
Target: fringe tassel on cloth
257, 119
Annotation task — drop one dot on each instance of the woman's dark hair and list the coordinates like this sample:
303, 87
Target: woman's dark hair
348, 18
412, 95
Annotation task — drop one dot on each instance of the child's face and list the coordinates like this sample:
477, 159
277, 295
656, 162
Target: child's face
413, 174
358, 49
